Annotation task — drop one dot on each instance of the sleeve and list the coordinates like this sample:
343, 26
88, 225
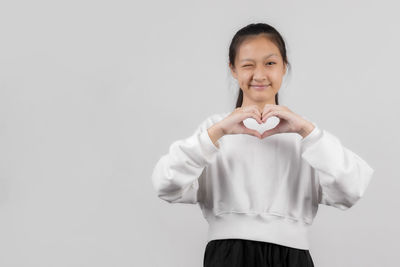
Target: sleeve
343, 176
175, 175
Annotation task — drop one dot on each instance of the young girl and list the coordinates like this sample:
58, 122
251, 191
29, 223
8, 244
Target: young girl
260, 190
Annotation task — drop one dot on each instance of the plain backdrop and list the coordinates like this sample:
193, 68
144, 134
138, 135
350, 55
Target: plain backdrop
92, 93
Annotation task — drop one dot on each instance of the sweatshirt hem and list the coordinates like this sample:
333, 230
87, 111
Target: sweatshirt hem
259, 227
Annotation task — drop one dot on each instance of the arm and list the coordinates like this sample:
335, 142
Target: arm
343, 175
175, 175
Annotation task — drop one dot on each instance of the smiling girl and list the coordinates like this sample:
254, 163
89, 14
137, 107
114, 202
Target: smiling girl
260, 191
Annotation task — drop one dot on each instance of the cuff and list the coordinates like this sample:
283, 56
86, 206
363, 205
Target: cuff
311, 138
208, 147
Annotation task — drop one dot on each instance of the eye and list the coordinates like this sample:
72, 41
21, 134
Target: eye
271, 62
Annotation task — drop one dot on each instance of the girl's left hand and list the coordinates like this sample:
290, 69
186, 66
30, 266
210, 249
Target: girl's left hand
290, 122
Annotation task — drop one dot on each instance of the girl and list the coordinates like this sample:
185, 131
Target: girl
260, 190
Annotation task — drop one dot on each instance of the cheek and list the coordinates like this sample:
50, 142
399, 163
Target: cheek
245, 77
275, 78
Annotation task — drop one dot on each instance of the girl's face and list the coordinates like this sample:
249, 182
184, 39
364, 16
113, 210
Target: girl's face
258, 62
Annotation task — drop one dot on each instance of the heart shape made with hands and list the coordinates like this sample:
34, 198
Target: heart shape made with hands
261, 128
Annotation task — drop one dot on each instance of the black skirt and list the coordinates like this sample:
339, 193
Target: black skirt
249, 253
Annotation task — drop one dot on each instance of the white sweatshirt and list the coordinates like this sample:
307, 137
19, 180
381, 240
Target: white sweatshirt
261, 189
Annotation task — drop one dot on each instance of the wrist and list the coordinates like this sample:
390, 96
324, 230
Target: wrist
215, 132
306, 129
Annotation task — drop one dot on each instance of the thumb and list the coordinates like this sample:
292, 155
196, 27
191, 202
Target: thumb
270, 132
252, 132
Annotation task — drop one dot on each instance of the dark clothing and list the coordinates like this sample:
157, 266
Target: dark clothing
250, 253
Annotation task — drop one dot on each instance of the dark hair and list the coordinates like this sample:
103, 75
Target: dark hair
250, 31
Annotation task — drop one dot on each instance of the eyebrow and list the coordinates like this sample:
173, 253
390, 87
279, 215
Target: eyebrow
245, 59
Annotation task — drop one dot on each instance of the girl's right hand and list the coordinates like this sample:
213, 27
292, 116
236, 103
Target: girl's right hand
233, 123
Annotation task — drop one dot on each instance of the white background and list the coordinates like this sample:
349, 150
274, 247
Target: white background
92, 93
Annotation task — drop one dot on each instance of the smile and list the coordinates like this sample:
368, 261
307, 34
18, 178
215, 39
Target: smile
259, 87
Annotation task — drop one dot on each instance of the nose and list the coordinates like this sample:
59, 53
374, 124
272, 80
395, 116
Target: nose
260, 73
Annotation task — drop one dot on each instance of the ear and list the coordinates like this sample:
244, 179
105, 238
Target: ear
233, 71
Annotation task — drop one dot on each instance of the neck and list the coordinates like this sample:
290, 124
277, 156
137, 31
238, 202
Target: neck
259, 104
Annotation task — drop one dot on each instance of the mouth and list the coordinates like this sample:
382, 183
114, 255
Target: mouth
260, 86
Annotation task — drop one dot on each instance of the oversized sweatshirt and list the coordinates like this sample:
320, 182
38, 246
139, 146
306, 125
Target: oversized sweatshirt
261, 189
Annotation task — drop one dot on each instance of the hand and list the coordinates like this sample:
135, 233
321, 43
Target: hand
233, 123
290, 122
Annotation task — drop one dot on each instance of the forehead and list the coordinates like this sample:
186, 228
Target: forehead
257, 48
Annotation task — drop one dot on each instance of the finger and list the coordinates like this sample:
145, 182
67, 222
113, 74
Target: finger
258, 115
268, 108
269, 105
278, 113
252, 107
253, 114
269, 113
252, 132
255, 109
270, 132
